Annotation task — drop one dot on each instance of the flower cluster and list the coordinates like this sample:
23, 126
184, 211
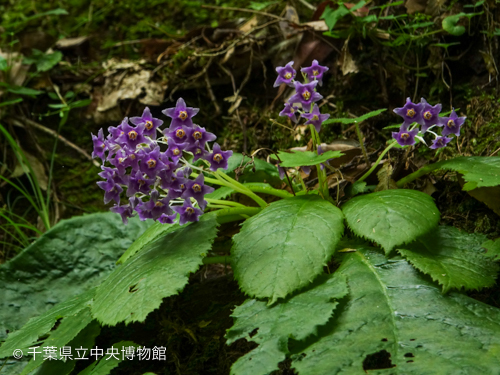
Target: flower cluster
157, 181
305, 93
428, 117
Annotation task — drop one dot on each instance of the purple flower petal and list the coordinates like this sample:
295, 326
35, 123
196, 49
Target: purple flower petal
405, 137
305, 95
315, 72
149, 123
440, 142
218, 158
187, 212
452, 124
180, 114
197, 189
315, 118
410, 112
286, 74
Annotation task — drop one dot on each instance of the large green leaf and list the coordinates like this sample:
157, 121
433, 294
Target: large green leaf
478, 171
39, 326
391, 307
70, 326
304, 158
297, 317
452, 258
285, 246
159, 270
66, 261
391, 217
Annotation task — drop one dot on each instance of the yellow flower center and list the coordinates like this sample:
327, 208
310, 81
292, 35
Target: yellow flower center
190, 210
176, 152
405, 136
183, 115
179, 133
120, 160
427, 115
288, 75
182, 186
218, 158
151, 163
306, 95
197, 135
132, 157
315, 72
410, 113
141, 182
158, 204
197, 188
132, 135
450, 123
315, 118
149, 125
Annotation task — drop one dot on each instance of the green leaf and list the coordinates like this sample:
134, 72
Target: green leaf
107, 363
450, 24
275, 324
452, 258
355, 120
159, 270
220, 193
392, 307
264, 171
259, 5
391, 217
11, 102
285, 246
67, 260
70, 326
304, 158
39, 326
492, 248
331, 16
19, 90
3, 64
478, 171
154, 232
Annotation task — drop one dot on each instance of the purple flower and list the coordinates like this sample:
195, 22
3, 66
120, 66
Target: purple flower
281, 171
315, 72
178, 134
187, 212
167, 219
176, 184
200, 135
305, 95
197, 189
320, 152
286, 74
410, 112
149, 123
452, 124
122, 160
155, 207
139, 183
116, 131
99, 146
112, 174
174, 151
405, 137
151, 163
125, 211
180, 114
218, 158
111, 190
440, 142
430, 115
306, 169
315, 117
197, 150
131, 136
289, 111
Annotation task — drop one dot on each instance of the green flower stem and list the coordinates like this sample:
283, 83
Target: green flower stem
214, 260
268, 190
361, 144
225, 203
377, 162
321, 173
418, 173
240, 188
212, 180
228, 215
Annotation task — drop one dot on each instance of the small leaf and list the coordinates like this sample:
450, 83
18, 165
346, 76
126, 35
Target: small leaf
285, 246
3, 64
391, 308
297, 317
332, 16
23, 91
159, 270
391, 217
450, 24
264, 171
355, 120
452, 258
478, 171
492, 248
304, 158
